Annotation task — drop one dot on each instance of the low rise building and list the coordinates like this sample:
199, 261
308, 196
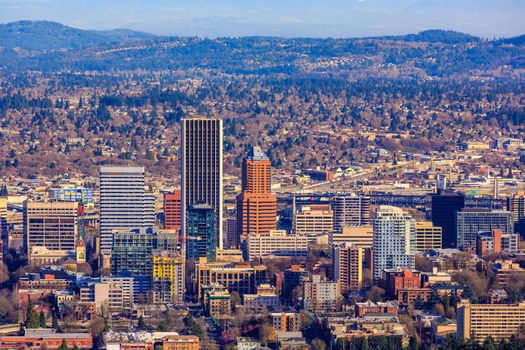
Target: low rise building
286, 321
499, 321
277, 243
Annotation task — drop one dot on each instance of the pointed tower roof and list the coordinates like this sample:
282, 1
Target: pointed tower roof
256, 154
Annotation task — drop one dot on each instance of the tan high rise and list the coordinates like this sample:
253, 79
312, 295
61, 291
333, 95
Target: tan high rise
52, 225
256, 205
348, 267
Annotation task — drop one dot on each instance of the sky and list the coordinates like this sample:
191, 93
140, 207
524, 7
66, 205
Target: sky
285, 18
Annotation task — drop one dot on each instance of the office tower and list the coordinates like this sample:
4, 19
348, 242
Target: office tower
201, 156
348, 267
313, 220
123, 203
350, 210
394, 240
470, 222
240, 278
168, 269
172, 211
320, 295
499, 321
256, 205
201, 232
233, 240
277, 243
52, 225
428, 236
516, 205
444, 208
132, 254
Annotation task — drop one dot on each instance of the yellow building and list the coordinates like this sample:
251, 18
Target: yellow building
428, 236
500, 321
168, 278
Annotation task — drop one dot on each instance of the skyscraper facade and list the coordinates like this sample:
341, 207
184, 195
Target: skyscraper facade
53, 225
445, 205
172, 211
124, 204
201, 232
394, 240
350, 210
202, 157
470, 222
256, 205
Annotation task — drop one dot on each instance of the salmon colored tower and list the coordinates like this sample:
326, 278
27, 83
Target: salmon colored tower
256, 205
172, 211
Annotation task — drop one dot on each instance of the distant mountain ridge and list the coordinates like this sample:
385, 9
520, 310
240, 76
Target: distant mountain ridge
435, 35
52, 36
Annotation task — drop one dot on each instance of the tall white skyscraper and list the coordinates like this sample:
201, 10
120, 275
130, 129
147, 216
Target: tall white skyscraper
394, 240
124, 204
201, 156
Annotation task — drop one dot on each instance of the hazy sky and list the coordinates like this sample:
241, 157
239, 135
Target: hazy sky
290, 18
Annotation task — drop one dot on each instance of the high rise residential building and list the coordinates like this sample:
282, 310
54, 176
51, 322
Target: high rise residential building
320, 295
499, 321
133, 251
201, 156
445, 205
470, 222
313, 220
52, 225
428, 236
172, 211
168, 279
348, 267
201, 232
516, 205
124, 204
350, 210
256, 205
394, 240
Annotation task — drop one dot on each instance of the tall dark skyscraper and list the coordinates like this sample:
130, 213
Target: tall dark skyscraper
201, 232
445, 205
201, 156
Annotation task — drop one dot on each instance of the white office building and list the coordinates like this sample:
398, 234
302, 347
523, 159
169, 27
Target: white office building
124, 204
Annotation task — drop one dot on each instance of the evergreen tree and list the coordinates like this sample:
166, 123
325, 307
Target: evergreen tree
42, 320
63, 346
141, 324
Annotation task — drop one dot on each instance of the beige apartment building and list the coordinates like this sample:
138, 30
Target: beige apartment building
500, 321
